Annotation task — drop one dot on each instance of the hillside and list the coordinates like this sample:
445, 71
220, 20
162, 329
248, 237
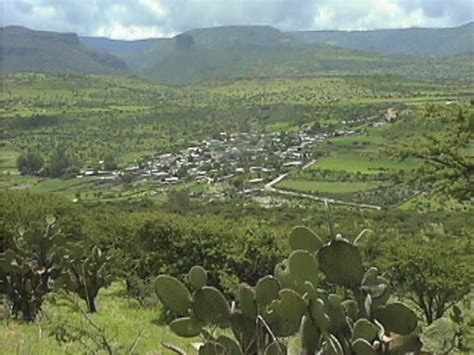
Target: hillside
41, 51
415, 41
218, 53
249, 51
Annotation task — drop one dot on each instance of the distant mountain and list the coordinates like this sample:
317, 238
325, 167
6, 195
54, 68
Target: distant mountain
42, 51
232, 52
220, 44
261, 51
416, 41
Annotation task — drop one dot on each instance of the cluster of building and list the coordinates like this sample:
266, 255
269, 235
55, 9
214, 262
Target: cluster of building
255, 157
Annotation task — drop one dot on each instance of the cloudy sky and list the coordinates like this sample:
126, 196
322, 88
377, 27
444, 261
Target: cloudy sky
133, 19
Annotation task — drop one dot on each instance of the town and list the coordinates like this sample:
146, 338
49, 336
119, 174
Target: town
244, 160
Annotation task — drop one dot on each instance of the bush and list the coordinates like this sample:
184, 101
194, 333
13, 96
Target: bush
174, 245
29, 163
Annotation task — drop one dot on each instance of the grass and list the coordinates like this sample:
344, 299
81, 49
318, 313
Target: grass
354, 162
58, 185
325, 186
8, 160
122, 318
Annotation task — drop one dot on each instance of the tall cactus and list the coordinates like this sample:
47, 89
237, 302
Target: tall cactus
30, 265
86, 272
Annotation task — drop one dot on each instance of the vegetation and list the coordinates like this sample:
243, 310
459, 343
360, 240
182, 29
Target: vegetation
29, 163
448, 165
432, 275
134, 212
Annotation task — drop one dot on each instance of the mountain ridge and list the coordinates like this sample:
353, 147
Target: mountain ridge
218, 52
24, 49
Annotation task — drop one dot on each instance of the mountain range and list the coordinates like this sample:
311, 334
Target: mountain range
42, 51
244, 51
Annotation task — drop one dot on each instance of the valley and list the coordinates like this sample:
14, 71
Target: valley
237, 190
239, 136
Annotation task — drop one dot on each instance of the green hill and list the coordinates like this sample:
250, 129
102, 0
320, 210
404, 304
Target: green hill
416, 41
218, 53
260, 51
41, 51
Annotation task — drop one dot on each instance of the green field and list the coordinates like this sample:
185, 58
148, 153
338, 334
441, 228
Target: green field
361, 163
132, 118
325, 186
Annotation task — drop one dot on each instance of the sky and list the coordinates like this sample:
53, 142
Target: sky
137, 19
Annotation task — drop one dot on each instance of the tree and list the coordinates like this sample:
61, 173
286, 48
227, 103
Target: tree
433, 275
60, 163
447, 166
109, 162
29, 163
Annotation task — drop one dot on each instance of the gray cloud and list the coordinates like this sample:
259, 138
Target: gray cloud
152, 18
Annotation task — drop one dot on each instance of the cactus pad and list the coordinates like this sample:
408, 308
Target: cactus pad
210, 306
266, 290
310, 336
243, 329
282, 273
320, 317
396, 318
211, 348
173, 294
363, 347
350, 308
197, 277
248, 305
365, 329
341, 262
287, 311
230, 345
302, 238
333, 346
186, 327
303, 267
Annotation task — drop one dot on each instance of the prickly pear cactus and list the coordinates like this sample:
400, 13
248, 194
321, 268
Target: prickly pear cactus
293, 301
173, 293
302, 238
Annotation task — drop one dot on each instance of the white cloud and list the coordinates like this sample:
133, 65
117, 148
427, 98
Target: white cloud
118, 31
131, 19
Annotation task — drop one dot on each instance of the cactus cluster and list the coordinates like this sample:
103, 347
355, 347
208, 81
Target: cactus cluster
30, 265
354, 320
85, 273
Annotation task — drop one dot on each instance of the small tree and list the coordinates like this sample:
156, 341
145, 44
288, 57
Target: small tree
109, 162
29, 163
60, 163
434, 276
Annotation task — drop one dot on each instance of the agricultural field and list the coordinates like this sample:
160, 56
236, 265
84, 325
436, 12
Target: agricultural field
132, 119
